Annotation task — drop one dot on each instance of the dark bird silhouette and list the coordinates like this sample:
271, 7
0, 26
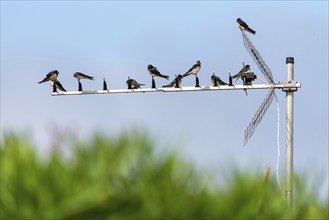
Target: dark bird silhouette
175, 83
217, 81
79, 76
194, 69
133, 84
155, 72
52, 75
244, 69
243, 26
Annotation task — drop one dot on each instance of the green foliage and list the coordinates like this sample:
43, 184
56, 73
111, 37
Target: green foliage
124, 178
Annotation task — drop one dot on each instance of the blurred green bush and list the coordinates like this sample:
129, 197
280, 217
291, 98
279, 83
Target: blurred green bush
124, 178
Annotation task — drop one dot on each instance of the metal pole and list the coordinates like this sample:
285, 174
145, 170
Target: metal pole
289, 134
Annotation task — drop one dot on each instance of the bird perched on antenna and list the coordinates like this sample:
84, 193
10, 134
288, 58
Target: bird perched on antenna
194, 71
243, 26
244, 69
217, 81
57, 85
133, 84
175, 83
52, 75
79, 76
153, 71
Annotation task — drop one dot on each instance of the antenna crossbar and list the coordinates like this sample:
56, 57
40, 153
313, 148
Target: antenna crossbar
182, 89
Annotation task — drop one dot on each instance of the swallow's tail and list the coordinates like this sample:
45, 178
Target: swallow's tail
165, 76
59, 85
185, 74
44, 80
64, 90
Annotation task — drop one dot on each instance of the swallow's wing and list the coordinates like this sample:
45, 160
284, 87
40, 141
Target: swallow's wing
221, 82
45, 79
134, 83
79, 75
237, 75
88, 77
192, 68
250, 30
243, 25
173, 83
161, 75
155, 71
243, 70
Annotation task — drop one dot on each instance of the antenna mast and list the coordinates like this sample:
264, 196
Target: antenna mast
290, 89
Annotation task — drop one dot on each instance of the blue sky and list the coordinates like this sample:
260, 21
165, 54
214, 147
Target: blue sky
117, 39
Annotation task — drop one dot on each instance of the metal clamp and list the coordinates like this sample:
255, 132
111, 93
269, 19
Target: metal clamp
289, 86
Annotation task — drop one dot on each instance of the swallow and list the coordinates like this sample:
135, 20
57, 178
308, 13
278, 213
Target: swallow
175, 83
133, 84
155, 72
243, 26
58, 85
52, 75
244, 69
79, 76
194, 69
217, 81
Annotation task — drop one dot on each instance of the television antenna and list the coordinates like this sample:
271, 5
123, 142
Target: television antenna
289, 87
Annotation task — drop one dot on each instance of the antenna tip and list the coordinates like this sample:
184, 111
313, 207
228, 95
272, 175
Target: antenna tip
289, 60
